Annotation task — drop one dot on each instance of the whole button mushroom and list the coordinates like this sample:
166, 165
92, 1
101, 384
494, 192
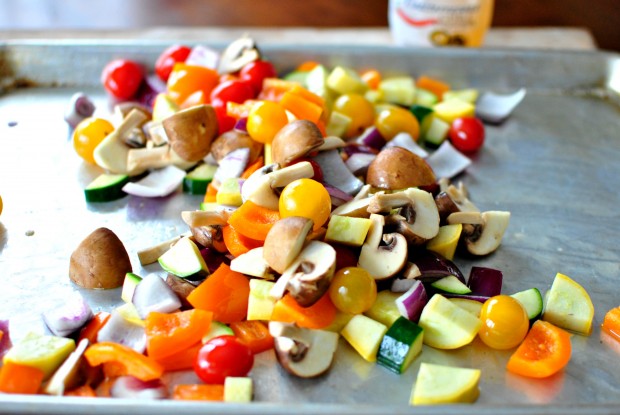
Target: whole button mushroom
398, 168
295, 140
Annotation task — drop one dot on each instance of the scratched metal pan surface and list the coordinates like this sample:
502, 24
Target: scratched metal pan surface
554, 165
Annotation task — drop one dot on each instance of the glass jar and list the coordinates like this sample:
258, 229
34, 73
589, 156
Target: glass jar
440, 22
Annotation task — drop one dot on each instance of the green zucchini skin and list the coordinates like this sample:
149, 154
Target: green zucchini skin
400, 345
106, 188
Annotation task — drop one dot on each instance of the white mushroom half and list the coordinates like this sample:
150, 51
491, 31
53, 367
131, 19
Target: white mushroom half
261, 187
482, 232
309, 276
382, 255
303, 352
285, 241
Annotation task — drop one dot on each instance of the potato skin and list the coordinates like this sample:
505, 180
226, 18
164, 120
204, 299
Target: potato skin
100, 261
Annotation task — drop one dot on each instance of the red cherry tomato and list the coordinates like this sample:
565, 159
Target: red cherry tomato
233, 90
221, 357
467, 134
165, 62
224, 121
122, 78
255, 72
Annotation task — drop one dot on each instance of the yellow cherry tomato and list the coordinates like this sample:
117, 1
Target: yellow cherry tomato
306, 198
394, 120
88, 134
1, 206
353, 290
358, 109
504, 322
265, 119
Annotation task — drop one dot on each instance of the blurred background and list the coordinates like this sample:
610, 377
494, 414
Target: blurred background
600, 17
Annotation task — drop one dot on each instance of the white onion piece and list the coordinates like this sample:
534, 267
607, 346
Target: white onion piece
358, 163
232, 165
203, 56
495, 108
5, 341
153, 294
68, 317
336, 173
158, 183
371, 137
401, 285
133, 388
447, 161
411, 303
118, 329
406, 141
337, 196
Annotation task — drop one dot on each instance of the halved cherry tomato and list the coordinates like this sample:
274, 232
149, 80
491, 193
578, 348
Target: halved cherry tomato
122, 78
545, 351
232, 91
224, 121
255, 72
467, 134
221, 357
165, 62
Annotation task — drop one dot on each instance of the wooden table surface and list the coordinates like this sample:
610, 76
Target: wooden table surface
546, 37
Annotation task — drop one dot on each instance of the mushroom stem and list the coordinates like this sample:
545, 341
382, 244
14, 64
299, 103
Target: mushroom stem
384, 203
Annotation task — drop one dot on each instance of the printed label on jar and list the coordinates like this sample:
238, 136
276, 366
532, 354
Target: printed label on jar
439, 22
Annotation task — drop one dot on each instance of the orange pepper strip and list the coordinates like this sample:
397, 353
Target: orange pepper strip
307, 66
17, 378
611, 323
236, 243
225, 293
253, 221
372, 77
196, 98
319, 315
300, 107
91, 330
433, 85
254, 334
545, 350
134, 364
84, 391
186, 79
260, 162
274, 88
212, 392
211, 193
170, 333
182, 360
240, 110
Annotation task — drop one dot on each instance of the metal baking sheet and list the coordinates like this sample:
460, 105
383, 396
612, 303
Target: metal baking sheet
553, 165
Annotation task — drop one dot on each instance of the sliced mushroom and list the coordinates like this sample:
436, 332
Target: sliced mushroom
445, 206
458, 195
238, 54
285, 241
206, 227
252, 263
151, 254
233, 140
332, 142
482, 232
309, 276
112, 152
68, 375
302, 352
142, 159
382, 255
295, 140
191, 131
261, 186
417, 221
397, 168
356, 208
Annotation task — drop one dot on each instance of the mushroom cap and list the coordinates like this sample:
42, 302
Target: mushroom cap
191, 131
285, 241
398, 168
295, 140
232, 140
382, 261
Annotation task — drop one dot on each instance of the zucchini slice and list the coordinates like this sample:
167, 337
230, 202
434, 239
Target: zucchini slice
532, 301
400, 345
197, 180
106, 188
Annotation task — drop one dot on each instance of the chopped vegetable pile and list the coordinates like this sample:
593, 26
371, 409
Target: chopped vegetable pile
329, 212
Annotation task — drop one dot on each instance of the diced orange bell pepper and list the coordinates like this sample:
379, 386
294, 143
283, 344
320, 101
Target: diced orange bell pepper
170, 333
225, 293
300, 107
274, 88
611, 323
91, 330
211, 194
307, 66
198, 392
253, 221
433, 85
240, 110
260, 162
254, 334
319, 315
132, 363
236, 243
187, 79
182, 360
18, 378
196, 98
545, 350
372, 77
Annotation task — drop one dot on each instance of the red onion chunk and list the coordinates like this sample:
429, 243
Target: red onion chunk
433, 266
354, 148
485, 281
372, 138
337, 196
150, 88
203, 56
5, 341
447, 161
118, 329
133, 388
158, 183
242, 125
212, 258
411, 303
474, 297
153, 294
80, 107
336, 173
232, 165
358, 163
68, 317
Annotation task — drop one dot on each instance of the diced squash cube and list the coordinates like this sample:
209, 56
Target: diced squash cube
384, 309
238, 389
260, 303
365, 335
